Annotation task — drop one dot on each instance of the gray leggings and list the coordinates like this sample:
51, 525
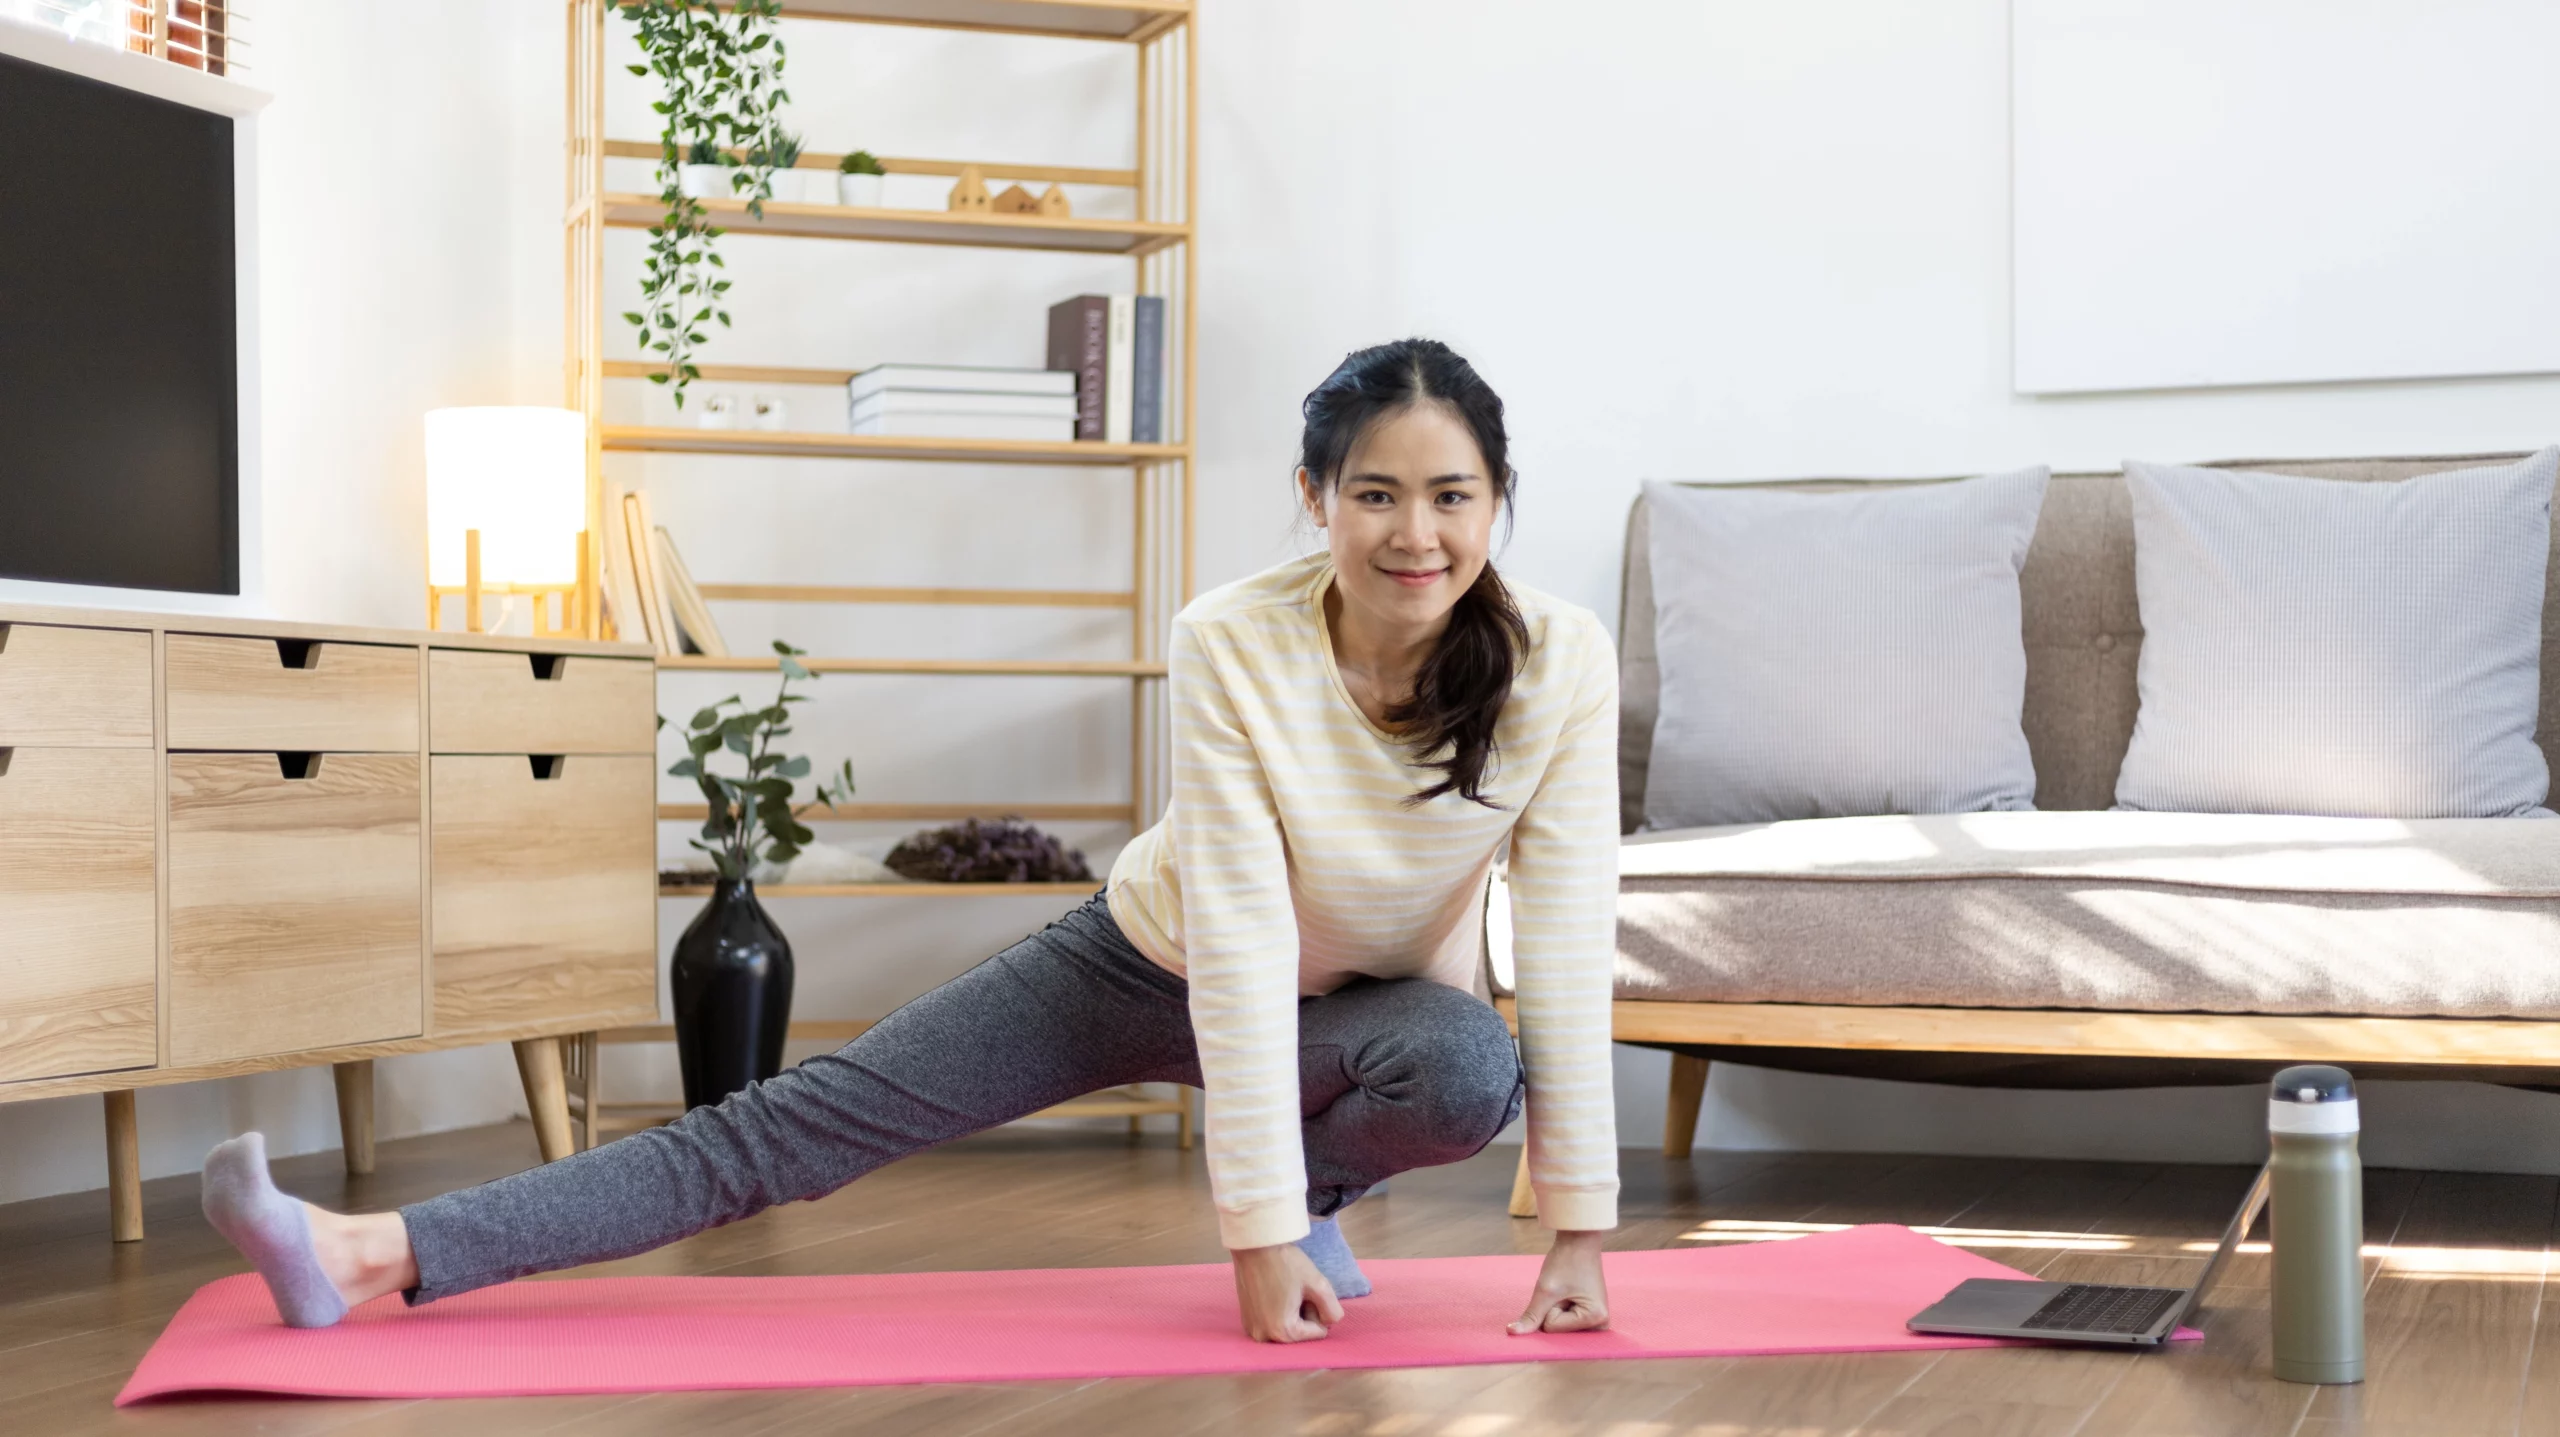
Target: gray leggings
1392, 1075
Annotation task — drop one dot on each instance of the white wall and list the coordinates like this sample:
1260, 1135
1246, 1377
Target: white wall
1696, 240
1719, 240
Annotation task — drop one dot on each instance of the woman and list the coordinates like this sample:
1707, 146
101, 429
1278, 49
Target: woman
1355, 736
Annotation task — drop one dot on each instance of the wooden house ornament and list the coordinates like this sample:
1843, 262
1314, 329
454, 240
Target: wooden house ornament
1015, 200
970, 194
1053, 203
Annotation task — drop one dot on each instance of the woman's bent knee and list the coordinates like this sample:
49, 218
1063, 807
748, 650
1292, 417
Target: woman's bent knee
1462, 1063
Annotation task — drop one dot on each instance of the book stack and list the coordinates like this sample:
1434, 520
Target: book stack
950, 401
648, 593
1114, 345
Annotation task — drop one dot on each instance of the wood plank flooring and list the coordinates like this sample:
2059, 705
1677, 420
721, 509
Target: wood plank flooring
2458, 1260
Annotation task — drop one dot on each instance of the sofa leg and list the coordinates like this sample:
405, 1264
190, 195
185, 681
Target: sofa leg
1680, 1112
124, 1167
546, 1095
355, 1114
1524, 1199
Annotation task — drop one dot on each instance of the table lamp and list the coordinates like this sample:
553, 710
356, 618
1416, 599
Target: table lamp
507, 513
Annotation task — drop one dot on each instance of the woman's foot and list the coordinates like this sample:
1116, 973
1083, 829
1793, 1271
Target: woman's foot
1325, 1246
317, 1264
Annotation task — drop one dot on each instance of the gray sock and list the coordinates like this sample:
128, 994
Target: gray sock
1325, 1247
270, 1229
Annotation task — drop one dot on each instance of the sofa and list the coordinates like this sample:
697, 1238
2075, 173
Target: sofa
2074, 946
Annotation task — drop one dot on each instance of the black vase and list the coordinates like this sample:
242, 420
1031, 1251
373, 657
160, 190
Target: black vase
732, 981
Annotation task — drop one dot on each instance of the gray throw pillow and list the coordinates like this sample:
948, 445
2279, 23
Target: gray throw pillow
1831, 654
2323, 646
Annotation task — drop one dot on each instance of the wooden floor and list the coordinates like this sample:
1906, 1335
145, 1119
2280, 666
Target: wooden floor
2458, 1261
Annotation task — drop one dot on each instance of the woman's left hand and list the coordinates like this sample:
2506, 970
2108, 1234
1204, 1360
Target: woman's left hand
1571, 1295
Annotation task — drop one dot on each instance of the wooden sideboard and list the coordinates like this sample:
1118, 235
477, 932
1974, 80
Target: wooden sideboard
229, 846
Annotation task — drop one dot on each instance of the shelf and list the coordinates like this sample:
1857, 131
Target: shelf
736, 373
926, 812
888, 226
1067, 19
992, 668
991, 170
643, 439
818, 1030
873, 594
904, 890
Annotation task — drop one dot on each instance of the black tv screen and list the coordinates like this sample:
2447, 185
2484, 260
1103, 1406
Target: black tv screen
119, 344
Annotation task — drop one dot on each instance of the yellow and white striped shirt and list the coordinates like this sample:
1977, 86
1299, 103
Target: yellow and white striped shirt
1288, 864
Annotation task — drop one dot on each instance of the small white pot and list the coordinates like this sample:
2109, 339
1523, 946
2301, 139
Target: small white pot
859, 191
703, 182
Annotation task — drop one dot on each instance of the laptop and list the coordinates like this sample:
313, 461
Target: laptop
2086, 1311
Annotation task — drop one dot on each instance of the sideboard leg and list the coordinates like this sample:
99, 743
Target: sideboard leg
355, 1113
124, 1167
546, 1095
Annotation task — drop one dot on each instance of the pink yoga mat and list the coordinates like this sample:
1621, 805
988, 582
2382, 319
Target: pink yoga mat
1845, 1291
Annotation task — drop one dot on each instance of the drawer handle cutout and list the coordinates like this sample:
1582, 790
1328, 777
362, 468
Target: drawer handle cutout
4, 638
298, 653
549, 668
548, 766
5, 753
298, 766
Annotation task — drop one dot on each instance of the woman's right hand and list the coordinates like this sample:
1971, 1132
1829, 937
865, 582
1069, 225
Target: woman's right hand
1281, 1296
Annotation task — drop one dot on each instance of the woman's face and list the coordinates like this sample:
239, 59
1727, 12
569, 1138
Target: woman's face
1409, 519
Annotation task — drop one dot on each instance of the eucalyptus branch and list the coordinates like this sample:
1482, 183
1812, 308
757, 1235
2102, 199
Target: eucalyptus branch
752, 819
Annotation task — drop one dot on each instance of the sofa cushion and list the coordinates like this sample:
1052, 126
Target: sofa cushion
2151, 912
2357, 649
1845, 653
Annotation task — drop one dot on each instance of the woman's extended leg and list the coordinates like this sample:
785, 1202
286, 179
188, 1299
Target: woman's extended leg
1067, 1010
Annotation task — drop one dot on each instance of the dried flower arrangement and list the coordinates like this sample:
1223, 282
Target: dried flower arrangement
1005, 850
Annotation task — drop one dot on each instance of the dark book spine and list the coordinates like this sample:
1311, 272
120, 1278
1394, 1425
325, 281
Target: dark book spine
1146, 380
1077, 334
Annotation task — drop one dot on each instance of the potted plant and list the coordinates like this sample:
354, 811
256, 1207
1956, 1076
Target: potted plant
859, 180
731, 974
706, 173
779, 158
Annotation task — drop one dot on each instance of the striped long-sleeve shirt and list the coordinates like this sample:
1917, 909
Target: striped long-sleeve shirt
1288, 864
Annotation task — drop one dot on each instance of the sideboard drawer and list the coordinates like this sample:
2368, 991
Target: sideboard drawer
481, 702
234, 693
545, 890
79, 900
294, 905
75, 688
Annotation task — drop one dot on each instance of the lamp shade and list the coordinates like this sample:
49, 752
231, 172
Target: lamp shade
516, 473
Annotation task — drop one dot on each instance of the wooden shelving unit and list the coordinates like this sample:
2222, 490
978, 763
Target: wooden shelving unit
1159, 244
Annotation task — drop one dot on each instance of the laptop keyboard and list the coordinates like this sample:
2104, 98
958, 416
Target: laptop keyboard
2088, 1307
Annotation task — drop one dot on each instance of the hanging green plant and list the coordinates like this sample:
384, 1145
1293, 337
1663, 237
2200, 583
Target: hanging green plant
720, 71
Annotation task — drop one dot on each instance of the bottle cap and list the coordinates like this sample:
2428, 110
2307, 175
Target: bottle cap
2313, 1098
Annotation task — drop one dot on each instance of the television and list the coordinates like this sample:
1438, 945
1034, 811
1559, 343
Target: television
122, 363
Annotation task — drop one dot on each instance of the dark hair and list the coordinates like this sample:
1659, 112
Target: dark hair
1459, 692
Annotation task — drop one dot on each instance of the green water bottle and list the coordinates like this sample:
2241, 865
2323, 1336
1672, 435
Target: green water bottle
2316, 1201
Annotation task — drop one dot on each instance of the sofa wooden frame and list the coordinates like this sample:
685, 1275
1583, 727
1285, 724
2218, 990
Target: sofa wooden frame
2520, 1043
